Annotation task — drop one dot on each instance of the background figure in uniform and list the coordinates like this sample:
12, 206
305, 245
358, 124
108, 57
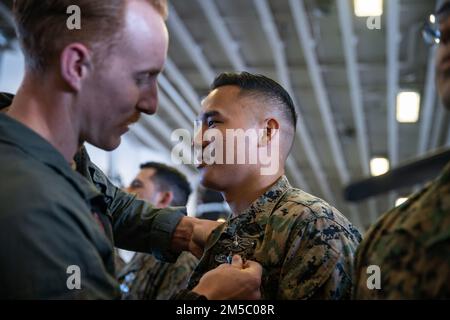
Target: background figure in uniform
145, 277
411, 243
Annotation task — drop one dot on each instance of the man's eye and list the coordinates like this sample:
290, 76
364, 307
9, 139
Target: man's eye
144, 78
211, 123
135, 184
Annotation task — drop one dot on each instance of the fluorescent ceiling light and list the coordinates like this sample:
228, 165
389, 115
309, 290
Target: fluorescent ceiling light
408, 107
432, 18
368, 8
400, 201
379, 166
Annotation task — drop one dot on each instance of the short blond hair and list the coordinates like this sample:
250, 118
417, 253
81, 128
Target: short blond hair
43, 33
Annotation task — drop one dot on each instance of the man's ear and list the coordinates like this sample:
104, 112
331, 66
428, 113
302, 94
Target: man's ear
75, 65
270, 129
164, 199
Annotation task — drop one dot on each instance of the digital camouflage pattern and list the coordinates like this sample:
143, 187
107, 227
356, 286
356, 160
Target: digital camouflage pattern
306, 247
146, 278
411, 245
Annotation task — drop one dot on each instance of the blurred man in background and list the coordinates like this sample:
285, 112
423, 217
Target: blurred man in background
145, 277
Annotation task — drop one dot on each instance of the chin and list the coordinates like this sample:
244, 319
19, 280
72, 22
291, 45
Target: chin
109, 145
211, 179
114, 145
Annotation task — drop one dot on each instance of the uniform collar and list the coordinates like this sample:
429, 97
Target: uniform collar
267, 202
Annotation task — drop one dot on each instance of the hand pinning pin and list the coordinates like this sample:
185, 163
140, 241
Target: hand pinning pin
230, 258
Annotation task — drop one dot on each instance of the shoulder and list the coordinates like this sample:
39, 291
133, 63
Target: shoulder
412, 238
423, 220
314, 215
28, 183
37, 193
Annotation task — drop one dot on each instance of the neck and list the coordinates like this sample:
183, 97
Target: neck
239, 198
47, 112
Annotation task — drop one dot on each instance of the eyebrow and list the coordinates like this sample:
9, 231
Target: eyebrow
152, 71
136, 181
209, 114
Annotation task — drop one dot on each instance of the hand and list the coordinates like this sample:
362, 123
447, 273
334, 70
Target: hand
191, 235
202, 230
234, 281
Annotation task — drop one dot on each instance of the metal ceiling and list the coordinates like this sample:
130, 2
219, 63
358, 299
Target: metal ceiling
343, 77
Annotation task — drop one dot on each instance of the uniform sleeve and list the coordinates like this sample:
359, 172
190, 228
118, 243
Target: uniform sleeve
177, 276
407, 270
316, 266
137, 225
40, 248
187, 295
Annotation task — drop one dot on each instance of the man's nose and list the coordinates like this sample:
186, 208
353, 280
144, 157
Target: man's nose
148, 101
198, 141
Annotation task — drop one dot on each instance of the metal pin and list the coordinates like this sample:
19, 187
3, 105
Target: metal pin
230, 258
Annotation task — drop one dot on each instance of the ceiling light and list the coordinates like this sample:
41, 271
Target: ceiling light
408, 107
379, 166
368, 8
400, 201
432, 18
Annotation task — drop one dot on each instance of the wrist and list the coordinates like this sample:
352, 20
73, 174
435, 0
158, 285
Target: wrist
188, 295
182, 235
199, 290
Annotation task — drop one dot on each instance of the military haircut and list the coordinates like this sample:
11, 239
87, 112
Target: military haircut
170, 179
260, 86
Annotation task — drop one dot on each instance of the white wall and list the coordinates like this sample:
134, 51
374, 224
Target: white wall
11, 69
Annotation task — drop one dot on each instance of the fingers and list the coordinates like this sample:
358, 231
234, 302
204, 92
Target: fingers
255, 270
237, 262
254, 267
250, 266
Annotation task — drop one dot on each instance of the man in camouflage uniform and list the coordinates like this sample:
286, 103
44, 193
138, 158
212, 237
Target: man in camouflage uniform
305, 246
411, 243
145, 277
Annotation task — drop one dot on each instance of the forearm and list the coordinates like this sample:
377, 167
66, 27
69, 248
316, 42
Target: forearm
136, 225
192, 234
182, 235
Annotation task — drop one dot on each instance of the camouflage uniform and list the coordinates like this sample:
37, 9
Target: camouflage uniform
146, 278
411, 245
305, 246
